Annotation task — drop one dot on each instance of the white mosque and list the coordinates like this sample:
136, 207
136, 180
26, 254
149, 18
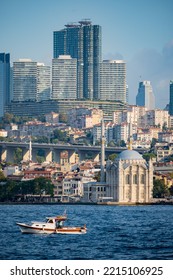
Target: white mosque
129, 178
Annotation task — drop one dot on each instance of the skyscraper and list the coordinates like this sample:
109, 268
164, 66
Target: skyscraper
145, 96
64, 77
113, 80
25, 80
171, 98
31, 81
83, 42
43, 82
4, 81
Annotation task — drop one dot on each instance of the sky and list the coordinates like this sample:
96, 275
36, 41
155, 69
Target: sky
137, 31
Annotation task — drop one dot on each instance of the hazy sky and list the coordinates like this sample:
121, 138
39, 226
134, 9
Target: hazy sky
138, 31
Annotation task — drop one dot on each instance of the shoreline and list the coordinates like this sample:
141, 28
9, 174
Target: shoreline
89, 203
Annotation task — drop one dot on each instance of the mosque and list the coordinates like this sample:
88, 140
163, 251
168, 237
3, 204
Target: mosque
129, 178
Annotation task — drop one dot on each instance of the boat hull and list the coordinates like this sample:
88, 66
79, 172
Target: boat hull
71, 230
43, 230
30, 229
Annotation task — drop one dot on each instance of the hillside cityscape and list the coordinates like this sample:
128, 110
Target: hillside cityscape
68, 133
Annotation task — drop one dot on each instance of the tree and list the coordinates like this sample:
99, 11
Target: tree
160, 190
112, 157
60, 135
2, 177
18, 155
148, 156
43, 186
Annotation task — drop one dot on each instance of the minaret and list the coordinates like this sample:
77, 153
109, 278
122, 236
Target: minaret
130, 136
30, 150
102, 162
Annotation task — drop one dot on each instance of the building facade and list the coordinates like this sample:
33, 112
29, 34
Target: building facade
145, 96
4, 81
43, 82
24, 80
129, 178
64, 77
113, 80
171, 98
83, 42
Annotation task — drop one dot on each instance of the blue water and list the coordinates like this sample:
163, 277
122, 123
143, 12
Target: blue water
114, 232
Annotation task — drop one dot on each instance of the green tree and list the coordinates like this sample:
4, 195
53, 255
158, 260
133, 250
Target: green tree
43, 186
148, 156
60, 135
2, 177
112, 157
18, 155
160, 190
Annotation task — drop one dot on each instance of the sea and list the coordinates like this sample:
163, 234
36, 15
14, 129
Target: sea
114, 233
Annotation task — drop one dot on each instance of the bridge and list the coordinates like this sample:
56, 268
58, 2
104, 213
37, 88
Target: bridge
52, 151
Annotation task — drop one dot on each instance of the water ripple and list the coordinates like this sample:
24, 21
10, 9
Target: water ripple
134, 232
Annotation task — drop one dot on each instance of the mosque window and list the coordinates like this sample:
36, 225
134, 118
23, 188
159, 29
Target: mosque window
127, 179
142, 179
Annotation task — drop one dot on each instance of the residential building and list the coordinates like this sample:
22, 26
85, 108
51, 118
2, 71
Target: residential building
52, 118
64, 77
113, 80
4, 81
145, 96
84, 117
83, 42
135, 115
157, 117
171, 98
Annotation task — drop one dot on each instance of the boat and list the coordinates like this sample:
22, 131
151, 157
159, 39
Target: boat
51, 225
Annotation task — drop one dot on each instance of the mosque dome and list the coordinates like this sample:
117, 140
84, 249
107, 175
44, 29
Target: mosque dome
129, 155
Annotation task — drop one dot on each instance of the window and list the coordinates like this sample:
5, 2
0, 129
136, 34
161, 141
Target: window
142, 179
127, 179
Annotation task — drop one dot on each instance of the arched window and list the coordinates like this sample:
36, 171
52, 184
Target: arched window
135, 179
127, 179
142, 179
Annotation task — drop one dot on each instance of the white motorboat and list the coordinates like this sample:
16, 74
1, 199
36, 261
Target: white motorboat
51, 225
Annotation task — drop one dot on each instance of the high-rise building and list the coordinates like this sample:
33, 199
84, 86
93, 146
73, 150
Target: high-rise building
171, 98
4, 81
31, 81
83, 42
43, 82
113, 80
64, 77
145, 96
25, 80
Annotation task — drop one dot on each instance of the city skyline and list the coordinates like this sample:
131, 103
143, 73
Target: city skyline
136, 31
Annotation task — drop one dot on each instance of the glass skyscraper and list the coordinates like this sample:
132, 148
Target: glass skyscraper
4, 81
43, 82
83, 42
145, 96
113, 80
64, 77
171, 98
25, 80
